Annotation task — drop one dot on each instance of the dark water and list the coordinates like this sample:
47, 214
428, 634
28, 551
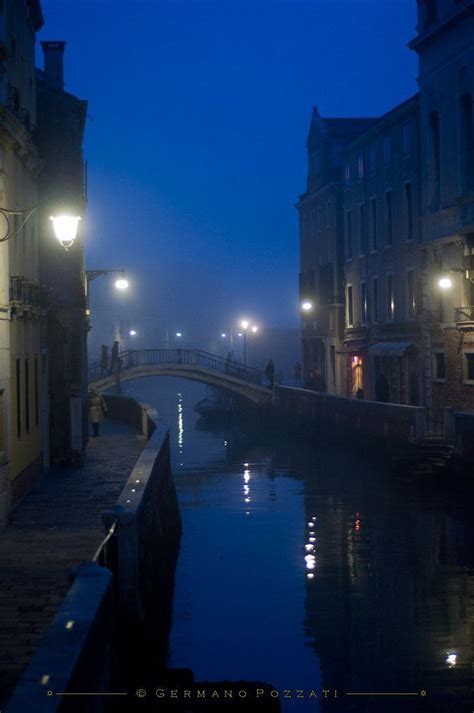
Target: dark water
314, 568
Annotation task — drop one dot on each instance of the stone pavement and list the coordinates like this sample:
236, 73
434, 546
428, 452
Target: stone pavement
55, 527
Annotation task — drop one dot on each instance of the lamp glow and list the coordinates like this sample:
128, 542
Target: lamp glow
179, 334
132, 333
307, 306
65, 229
254, 329
121, 283
445, 283
244, 324
223, 335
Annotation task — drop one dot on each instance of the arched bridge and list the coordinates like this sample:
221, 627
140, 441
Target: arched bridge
195, 364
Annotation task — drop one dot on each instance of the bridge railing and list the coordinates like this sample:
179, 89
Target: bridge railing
189, 357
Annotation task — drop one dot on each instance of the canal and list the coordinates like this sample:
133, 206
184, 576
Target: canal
316, 569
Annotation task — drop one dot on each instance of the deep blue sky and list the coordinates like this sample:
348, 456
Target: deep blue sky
196, 140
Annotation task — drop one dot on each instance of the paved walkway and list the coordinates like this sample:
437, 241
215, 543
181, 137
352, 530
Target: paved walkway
55, 527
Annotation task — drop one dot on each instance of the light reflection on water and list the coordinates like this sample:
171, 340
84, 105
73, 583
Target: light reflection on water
308, 568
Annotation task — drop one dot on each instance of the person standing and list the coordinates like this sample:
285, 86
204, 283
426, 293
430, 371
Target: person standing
298, 372
97, 410
270, 373
104, 360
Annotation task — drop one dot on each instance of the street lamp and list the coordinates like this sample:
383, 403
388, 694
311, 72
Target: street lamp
307, 306
132, 333
65, 229
245, 324
179, 335
445, 283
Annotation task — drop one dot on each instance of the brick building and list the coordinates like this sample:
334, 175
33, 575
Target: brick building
403, 229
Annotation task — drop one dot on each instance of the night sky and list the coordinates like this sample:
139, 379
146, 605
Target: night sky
198, 116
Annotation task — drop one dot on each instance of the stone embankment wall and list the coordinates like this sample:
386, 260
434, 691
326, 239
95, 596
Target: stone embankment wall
353, 418
139, 552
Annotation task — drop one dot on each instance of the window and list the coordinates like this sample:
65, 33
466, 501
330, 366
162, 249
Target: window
373, 224
349, 235
372, 159
36, 393
329, 214
467, 144
411, 294
360, 164
350, 306
439, 365
27, 395
375, 299
469, 372
18, 398
363, 303
406, 139
362, 231
390, 298
435, 170
347, 173
409, 211
388, 217
387, 150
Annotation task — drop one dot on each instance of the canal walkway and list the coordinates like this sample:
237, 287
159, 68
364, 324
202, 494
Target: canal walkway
55, 527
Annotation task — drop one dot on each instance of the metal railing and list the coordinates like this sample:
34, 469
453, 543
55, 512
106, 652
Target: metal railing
106, 555
177, 357
464, 314
28, 292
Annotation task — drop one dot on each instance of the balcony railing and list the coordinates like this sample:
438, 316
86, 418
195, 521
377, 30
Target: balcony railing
464, 314
26, 292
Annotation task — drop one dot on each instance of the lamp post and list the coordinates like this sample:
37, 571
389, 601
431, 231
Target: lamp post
245, 324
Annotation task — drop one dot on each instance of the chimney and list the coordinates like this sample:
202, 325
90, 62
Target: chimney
53, 64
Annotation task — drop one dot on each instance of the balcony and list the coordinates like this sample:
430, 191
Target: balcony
464, 317
26, 296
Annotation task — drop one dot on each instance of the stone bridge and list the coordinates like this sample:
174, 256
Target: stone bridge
194, 364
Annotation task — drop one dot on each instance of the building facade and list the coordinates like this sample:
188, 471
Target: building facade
62, 187
21, 295
322, 247
406, 191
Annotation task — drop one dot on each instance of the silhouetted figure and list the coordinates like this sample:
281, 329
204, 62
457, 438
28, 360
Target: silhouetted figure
97, 410
104, 360
382, 389
114, 357
298, 372
318, 381
270, 373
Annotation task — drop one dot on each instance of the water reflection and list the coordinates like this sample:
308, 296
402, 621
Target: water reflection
339, 577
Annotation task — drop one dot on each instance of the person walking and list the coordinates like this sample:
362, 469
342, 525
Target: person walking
270, 373
97, 410
104, 360
298, 372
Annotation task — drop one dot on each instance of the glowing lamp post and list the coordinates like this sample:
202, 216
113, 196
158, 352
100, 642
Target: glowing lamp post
65, 229
133, 333
121, 283
445, 283
307, 306
245, 324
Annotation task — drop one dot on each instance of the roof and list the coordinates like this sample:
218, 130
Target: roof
347, 127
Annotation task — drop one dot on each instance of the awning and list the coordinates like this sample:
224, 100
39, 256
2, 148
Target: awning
353, 347
390, 349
